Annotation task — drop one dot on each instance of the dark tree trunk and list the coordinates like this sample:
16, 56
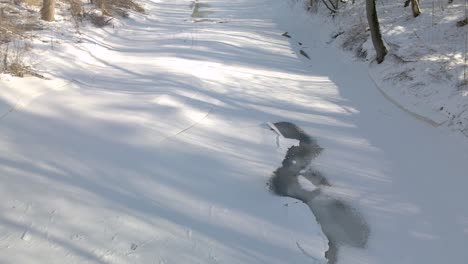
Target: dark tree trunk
376, 35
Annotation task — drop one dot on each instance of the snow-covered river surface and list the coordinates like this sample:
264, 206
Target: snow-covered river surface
147, 147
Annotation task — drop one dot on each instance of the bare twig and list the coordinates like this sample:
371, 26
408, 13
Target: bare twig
329, 8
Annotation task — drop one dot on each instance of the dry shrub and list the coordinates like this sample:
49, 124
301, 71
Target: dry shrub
76, 8
18, 69
462, 23
110, 7
354, 39
99, 20
128, 4
37, 3
104, 6
15, 21
12, 59
8, 27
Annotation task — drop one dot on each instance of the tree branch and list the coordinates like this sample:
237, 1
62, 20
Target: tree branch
329, 8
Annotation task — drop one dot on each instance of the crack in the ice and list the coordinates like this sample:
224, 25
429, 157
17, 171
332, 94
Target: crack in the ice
187, 128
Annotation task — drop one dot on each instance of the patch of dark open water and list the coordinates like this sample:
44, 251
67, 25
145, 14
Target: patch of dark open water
340, 222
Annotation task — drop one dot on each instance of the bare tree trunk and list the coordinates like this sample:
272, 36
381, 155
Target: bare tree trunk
374, 26
415, 8
48, 10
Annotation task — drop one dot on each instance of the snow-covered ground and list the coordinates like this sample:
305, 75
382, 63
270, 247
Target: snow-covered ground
149, 145
425, 71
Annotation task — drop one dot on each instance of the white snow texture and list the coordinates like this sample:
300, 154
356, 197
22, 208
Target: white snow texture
149, 145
